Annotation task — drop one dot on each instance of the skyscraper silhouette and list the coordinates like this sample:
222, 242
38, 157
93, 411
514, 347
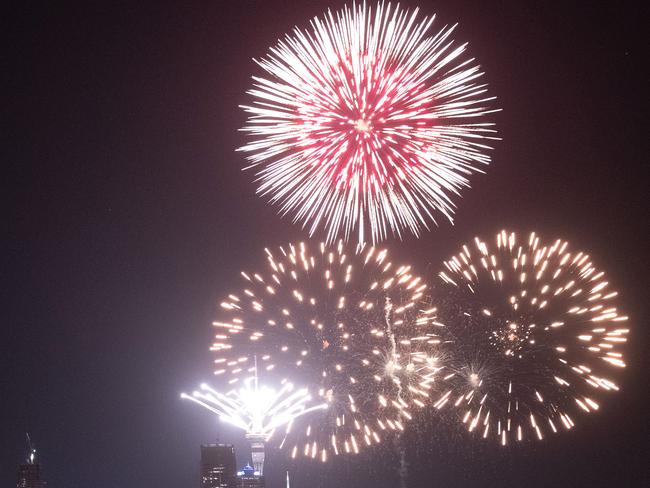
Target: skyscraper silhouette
30, 473
218, 468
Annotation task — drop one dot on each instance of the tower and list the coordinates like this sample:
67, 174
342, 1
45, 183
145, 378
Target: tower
256, 438
218, 467
30, 473
257, 451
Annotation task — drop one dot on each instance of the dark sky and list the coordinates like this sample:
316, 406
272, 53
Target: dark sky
128, 217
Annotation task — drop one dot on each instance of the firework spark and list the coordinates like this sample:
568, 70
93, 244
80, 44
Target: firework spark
256, 410
536, 337
349, 324
367, 123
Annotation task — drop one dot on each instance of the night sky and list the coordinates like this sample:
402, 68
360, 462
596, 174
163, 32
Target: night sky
128, 217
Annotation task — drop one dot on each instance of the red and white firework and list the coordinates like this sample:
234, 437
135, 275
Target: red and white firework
367, 123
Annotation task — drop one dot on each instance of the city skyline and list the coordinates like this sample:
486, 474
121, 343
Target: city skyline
217, 467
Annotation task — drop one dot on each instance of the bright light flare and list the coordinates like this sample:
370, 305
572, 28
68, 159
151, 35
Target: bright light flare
256, 410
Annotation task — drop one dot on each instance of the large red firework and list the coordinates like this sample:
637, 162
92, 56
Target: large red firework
362, 124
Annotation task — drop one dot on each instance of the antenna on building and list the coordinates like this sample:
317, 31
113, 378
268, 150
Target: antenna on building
31, 450
257, 440
256, 380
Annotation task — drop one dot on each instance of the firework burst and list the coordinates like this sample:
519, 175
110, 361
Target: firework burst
536, 337
256, 410
350, 325
368, 123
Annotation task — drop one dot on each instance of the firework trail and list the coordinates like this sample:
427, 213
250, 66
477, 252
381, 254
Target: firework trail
368, 123
347, 322
535, 336
403, 468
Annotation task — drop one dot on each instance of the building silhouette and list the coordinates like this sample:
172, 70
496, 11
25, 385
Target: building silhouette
30, 474
249, 478
218, 468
